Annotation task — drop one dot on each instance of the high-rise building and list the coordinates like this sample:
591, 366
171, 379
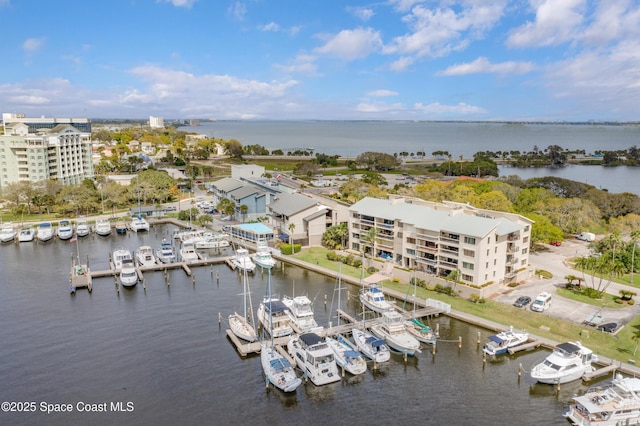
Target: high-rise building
156, 122
32, 150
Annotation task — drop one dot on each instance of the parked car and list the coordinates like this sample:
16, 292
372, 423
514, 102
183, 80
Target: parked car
609, 327
522, 301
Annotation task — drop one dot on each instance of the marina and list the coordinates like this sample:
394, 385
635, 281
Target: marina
201, 294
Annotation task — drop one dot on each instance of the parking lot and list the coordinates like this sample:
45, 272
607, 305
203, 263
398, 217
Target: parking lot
554, 261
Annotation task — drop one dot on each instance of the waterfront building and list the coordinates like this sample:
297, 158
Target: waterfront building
31, 153
156, 122
478, 246
36, 124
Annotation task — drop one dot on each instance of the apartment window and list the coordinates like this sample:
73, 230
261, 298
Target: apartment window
486, 265
466, 277
525, 250
469, 240
411, 252
524, 262
469, 253
411, 240
525, 239
494, 262
467, 265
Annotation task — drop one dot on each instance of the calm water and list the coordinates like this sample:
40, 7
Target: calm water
163, 351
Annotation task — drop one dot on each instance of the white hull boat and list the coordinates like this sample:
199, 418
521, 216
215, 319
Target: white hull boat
373, 298
242, 261
277, 369
239, 324
421, 331
393, 331
188, 252
314, 357
7, 232
346, 356
612, 405
501, 343
65, 230
371, 346
138, 223
82, 228
263, 258
274, 317
26, 235
44, 232
300, 310
145, 257
103, 227
166, 253
123, 262
568, 362
211, 241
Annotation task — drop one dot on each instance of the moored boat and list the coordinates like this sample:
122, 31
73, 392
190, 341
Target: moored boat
393, 331
145, 257
615, 404
314, 357
500, 343
26, 235
373, 298
421, 331
346, 356
123, 262
103, 227
82, 228
44, 232
121, 227
188, 252
7, 232
300, 311
209, 240
242, 261
274, 316
568, 362
277, 369
139, 223
166, 253
65, 229
371, 346
240, 324
263, 257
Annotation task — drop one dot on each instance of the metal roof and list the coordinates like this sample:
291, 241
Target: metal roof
290, 204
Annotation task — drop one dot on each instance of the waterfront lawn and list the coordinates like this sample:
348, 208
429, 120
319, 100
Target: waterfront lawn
620, 346
607, 299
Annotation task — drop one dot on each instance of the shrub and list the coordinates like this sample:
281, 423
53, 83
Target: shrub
475, 298
332, 256
372, 269
396, 280
631, 302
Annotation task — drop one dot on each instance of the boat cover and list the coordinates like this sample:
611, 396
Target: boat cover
569, 347
311, 339
496, 339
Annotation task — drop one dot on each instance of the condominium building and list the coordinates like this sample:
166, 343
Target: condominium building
447, 239
62, 152
35, 124
156, 122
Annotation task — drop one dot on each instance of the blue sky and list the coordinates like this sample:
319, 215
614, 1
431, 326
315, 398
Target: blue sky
292, 59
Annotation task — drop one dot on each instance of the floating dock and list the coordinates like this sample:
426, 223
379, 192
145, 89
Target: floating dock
525, 346
599, 372
80, 277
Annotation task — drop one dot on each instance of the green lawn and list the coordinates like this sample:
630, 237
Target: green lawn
620, 346
607, 299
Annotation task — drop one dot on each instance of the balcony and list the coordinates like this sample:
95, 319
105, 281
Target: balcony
513, 237
513, 248
450, 238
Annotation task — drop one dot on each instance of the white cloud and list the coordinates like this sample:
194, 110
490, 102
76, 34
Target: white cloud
32, 45
237, 10
271, 26
556, 22
404, 5
378, 107
612, 19
401, 64
362, 13
179, 3
482, 65
294, 30
439, 31
305, 64
382, 93
458, 109
352, 44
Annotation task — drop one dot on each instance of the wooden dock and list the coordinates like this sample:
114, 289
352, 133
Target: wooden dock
186, 266
245, 348
599, 372
526, 346
80, 277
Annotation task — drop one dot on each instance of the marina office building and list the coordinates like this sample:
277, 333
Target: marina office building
479, 247
36, 149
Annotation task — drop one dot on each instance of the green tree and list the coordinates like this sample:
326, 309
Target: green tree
243, 211
292, 227
336, 237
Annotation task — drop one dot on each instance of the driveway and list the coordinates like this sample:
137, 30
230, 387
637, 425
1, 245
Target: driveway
554, 260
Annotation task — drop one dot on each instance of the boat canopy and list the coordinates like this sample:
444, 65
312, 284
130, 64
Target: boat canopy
496, 339
569, 347
375, 342
351, 354
311, 339
275, 306
280, 364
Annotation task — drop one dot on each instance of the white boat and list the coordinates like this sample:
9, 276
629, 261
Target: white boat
138, 223
239, 324
82, 228
371, 346
373, 298
44, 232
393, 331
26, 235
123, 262
274, 316
263, 257
145, 257
242, 261
314, 357
500, 343
346, 356
65, 229
300, 311
188, 252
568, 362
7, 232
103, 227
166, 253
188, 235
277, 369
422, 332
209, 240
275, 366
121, 227
615, 404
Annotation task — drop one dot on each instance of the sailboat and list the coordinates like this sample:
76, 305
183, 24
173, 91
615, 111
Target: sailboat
415, 327
238, 323
346, 356
276, 367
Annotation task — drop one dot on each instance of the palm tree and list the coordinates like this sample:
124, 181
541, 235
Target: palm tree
292, 227
370, 238
634, 240
243, 210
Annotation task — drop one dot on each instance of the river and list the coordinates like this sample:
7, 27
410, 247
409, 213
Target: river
162, 354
